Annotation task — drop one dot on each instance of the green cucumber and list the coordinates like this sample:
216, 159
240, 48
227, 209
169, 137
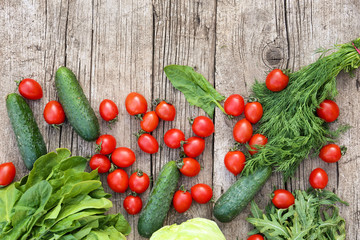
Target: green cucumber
153, 216
76, 106
30, 141
238, 196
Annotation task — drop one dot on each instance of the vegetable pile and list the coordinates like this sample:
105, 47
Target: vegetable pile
58, 200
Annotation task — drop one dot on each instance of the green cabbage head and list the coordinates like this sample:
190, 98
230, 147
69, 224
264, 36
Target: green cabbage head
193, 229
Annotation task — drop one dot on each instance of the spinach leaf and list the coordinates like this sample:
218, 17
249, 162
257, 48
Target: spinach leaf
8, 197
197, 90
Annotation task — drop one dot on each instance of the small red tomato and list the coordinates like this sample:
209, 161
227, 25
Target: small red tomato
257, 140
123, 157
283, 198
132, 204
165, 111
328, 111
54, 113
276, 80
201, 193
135, 104
256, 237
190, 167
100, 162
253, 112
118, 180
139, 182
235, 162
242, 131
148, 143
234, 105
149, 121
30, 89
194, 146
330, 153
106, 144
203, 126
7, 173
182, 201
108, 110
318, 178
173, 138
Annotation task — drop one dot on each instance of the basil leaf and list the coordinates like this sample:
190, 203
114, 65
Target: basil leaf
197, 90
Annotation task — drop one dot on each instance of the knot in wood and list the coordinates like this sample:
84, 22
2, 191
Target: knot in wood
273, 55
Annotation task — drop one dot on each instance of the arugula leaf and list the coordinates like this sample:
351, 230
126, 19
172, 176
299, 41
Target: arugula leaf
313, 216
197, 90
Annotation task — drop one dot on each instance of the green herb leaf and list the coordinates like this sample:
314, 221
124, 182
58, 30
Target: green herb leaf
197, 90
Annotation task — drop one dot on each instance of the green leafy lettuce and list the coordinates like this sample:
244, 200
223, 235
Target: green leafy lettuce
58, 200
197, 90
313, 216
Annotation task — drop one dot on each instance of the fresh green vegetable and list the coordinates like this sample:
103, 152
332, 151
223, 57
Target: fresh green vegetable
58, 200
202, 228
197, 90
30, 141
76, 106
290, 121
313, 216
237, 197
153, 216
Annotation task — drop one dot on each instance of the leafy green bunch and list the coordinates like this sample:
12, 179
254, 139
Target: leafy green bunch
58, 200
290, 122
313, 216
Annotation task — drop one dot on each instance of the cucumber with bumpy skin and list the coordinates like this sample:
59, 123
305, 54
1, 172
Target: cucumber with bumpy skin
76, 106
30, 141
238, 196
153, 216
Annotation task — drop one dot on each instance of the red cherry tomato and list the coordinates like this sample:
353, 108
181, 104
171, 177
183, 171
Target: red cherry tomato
190, 167
149, 121
30, 89
106, 144
123, 157
194, 146
235, 162
132, 204
283, 198
182, 201
257, 140
203, 126
242, 131
328, 111
54, 113
256, 237
118, 180
7, 173
100, 162
276, 80
234, 105
253, 112
108, 110
318, 178
330, 153
165, 111
173, 138
135, 104
139, 182
201, 193
148, 143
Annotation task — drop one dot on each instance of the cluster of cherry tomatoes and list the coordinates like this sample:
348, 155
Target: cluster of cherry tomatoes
136, 105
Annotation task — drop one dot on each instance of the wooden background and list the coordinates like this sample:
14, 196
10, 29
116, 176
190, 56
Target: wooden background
115, 47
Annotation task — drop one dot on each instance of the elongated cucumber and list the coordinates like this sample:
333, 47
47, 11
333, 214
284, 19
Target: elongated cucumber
153, 216
238, 196
30, 141
76, 106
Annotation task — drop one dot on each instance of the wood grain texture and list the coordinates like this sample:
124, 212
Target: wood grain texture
116, 47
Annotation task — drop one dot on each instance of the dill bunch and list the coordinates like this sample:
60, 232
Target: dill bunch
290, 122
